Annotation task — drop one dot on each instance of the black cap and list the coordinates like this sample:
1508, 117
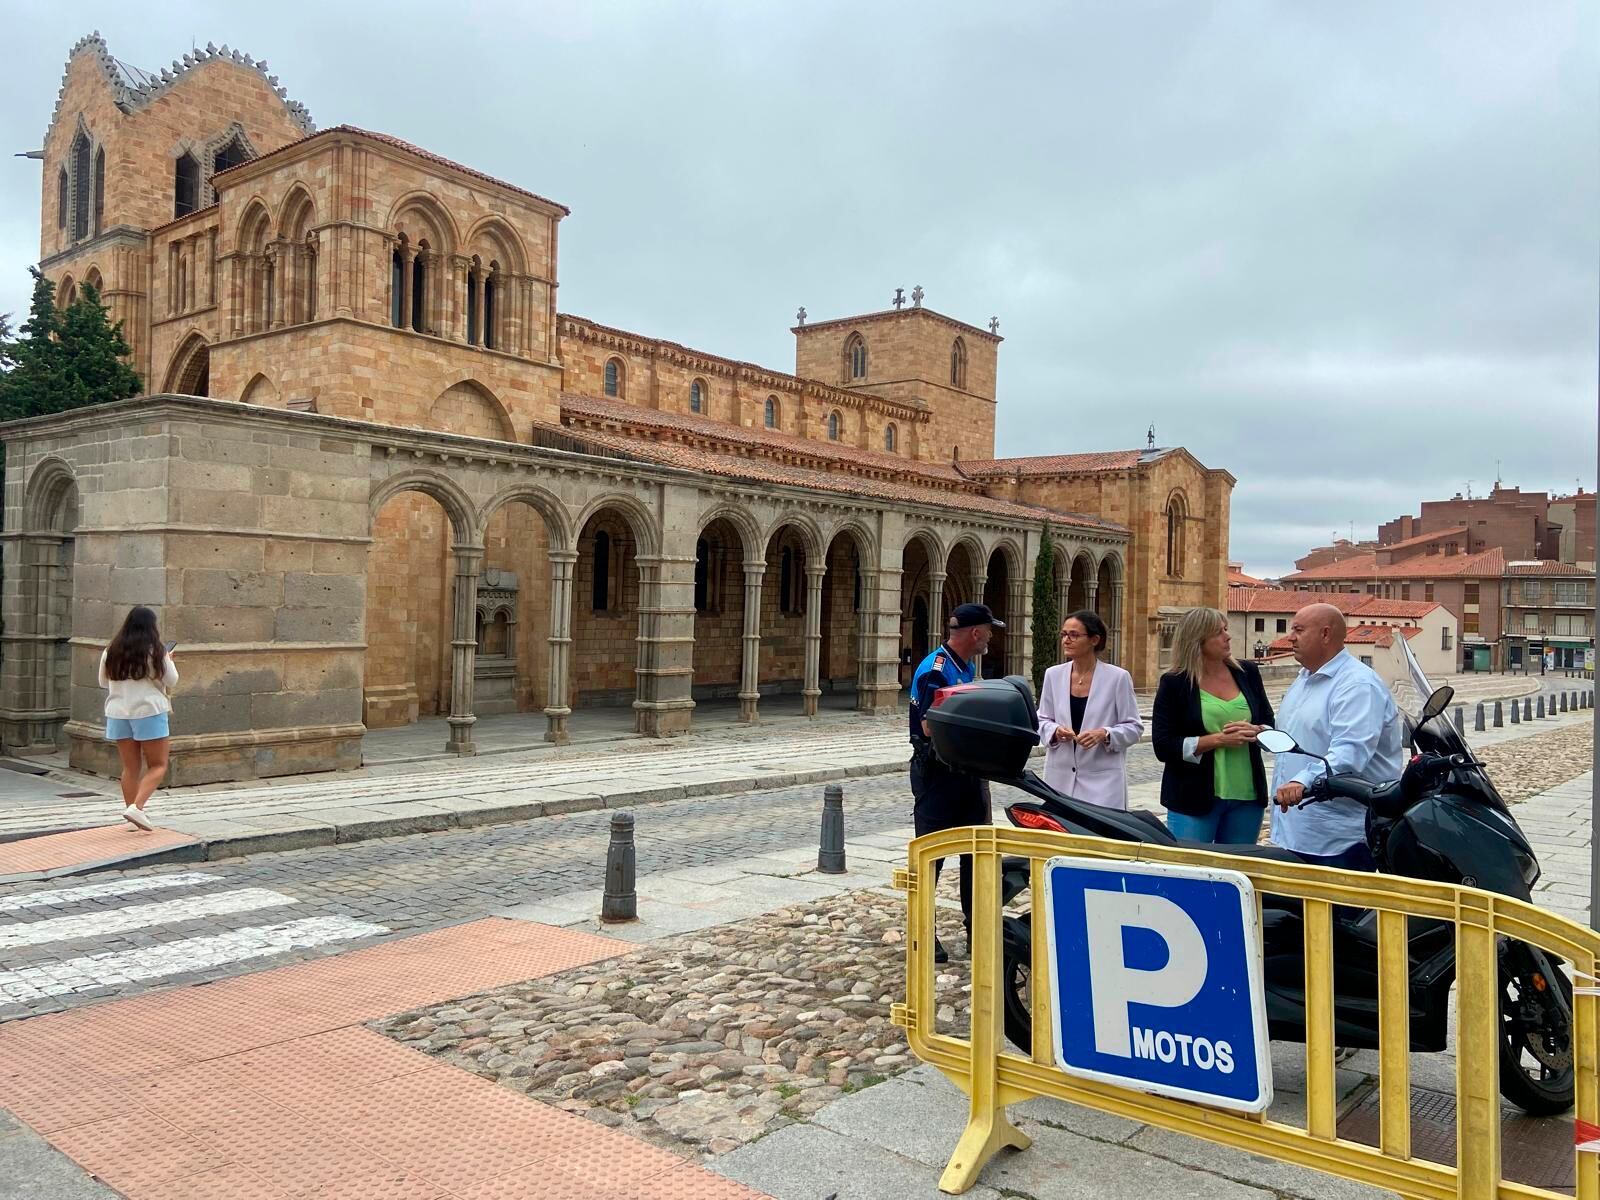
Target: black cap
968, 615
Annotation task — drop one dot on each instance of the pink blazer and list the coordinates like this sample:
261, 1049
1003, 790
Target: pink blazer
1098, 776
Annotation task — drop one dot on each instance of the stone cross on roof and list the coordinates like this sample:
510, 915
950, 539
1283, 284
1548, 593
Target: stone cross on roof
899, 297
916, 296
800, 317
994, 324
1150, 437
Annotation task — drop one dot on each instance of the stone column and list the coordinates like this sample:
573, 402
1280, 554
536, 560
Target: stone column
407, 254
464, 648
664, 705
755, 570
1116, 622
980, 582
1019, 629
476, 300
211, 266
455, 309
1090, 592
812, 688
557, 708
236, 290
276, 266
936, 615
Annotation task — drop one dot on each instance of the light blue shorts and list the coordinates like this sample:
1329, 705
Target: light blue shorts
140, 729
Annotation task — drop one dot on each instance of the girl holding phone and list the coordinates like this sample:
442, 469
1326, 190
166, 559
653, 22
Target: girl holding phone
137, 672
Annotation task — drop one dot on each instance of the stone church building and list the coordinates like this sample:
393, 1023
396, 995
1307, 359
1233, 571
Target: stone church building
379, 477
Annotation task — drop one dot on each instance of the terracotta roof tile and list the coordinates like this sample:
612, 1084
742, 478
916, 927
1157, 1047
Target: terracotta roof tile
1061, 464
1240, 579
757, 469
1547, 566
1490, 563
1423, 538
1272, 600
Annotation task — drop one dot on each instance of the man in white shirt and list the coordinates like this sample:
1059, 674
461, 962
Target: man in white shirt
1340, 709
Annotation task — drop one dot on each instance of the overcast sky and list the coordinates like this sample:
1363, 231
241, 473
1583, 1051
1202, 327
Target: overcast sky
1346, 251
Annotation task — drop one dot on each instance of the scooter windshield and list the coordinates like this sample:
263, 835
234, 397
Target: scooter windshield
1441, 728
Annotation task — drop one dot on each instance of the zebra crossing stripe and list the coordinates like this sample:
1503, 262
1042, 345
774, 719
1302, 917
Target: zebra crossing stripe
92, 891
190, 954
138, 916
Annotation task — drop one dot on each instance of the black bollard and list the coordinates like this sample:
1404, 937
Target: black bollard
1527, 709
1539, 710
1477, 718
621, 902
1564, 702
830, 854
1499, 716
1516, 713
1459, 717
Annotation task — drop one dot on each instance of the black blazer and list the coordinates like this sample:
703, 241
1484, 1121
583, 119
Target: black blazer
1190, 788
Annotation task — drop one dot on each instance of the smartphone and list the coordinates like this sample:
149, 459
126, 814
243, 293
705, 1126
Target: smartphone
171, 646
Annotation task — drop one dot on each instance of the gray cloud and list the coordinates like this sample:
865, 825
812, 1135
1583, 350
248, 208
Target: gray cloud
1347, 252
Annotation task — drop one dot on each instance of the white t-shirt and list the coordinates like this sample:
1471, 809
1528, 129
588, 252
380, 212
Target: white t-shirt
130, 699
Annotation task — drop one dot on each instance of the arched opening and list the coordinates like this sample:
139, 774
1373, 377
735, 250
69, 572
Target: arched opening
37, 699
697, 397
99, 189
718, 612
613, 377
605, 615
783, 615
410, 610
1105, 605
921, 616
511, 672
491, 310
855, 357
66, 294
232, 153
889, 438
63, 198
397, 288
1078, 585
82, 186
835, 425
770, 413
958, 364
190, 372
1177, 518
419, 288
185, 185
843, 591
997, 661
961, 577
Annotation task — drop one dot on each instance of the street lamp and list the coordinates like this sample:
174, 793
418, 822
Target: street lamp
1261, 649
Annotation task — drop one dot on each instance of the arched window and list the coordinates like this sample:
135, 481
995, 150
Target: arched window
833, 427
419, 290
697, 397
82, 184
63, 199
958, 364
491, 303
1176, 514
613, 382
99, 189
311, 277
231, 154
185, 185
771, 414
268, 285
855, 357
472, 309
602, 571
888, 438
397, 289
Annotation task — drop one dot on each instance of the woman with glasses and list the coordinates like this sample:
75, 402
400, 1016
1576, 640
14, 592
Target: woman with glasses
1087, 717
1208, 711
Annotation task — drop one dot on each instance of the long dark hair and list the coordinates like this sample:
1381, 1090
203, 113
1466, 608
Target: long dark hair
1092, 625
136, 652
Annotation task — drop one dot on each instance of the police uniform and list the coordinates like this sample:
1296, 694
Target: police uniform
945, 797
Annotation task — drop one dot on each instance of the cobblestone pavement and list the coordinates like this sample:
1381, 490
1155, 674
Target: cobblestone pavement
1525, 768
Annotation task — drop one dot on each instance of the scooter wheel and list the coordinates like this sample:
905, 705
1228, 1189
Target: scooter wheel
1017, 984
1535, 1060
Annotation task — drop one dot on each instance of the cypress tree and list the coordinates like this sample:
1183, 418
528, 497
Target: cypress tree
1046, 620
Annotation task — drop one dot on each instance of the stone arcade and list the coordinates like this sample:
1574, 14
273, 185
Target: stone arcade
380, 476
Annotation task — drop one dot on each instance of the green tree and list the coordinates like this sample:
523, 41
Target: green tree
65, 359
1046, 620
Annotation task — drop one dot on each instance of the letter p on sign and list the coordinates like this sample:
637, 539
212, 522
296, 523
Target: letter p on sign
1113, 984
1155, 971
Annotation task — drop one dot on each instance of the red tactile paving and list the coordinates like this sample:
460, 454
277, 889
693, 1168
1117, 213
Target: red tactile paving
56, 852
267, 1086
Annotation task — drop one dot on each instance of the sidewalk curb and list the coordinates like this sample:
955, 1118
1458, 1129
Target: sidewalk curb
313, 833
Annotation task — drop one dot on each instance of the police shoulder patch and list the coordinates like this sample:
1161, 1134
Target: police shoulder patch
938, 662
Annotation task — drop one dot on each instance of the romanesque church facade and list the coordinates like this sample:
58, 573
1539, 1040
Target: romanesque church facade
379, 477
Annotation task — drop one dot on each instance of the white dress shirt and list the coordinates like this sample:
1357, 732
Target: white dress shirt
1343, 712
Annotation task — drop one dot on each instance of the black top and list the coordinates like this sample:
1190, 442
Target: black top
1077, 704
1191, 788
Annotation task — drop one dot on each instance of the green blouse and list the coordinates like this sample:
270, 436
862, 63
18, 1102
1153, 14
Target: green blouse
1230, 764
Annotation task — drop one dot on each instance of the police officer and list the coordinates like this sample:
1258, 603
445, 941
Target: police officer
947, 798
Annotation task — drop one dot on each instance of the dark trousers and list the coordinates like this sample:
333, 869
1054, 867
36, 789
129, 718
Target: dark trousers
947, 799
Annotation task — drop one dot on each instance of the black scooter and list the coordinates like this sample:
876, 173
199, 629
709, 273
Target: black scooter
1442, 820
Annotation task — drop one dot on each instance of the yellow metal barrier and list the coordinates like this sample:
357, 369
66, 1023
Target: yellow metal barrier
993, 1079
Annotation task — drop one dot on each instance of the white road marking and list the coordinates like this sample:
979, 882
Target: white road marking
138, 916
117, 887
191, 954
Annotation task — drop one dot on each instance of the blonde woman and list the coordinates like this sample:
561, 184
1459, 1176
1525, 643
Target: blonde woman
1208, 711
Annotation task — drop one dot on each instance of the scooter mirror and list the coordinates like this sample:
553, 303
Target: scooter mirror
1277, 741
1437, 703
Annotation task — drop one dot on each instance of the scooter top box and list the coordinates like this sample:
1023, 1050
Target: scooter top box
988, 727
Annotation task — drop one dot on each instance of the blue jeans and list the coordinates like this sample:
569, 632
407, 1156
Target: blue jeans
1229, 823
1353, 858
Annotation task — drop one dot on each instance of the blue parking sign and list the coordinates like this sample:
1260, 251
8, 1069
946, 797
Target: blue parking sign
1155, 975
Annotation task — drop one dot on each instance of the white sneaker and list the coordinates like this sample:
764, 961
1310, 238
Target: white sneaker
137, 817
